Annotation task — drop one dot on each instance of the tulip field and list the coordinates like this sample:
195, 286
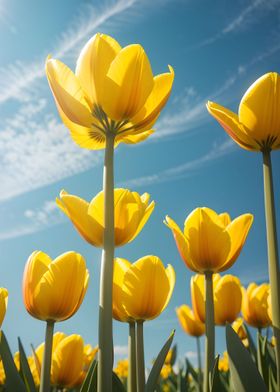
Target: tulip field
114, 98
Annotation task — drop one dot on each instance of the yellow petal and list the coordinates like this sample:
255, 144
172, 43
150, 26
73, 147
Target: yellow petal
68, 93
259, 108
229, 121
156, 100
130, 82
147, 288
198, 295
238, 230
93, 65
181, 242
209, 243
120, 268
134, 138
188, 322
225, 218
3, 304
78, 210
227, 299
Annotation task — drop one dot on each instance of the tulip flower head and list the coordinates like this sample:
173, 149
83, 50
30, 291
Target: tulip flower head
255, 306
256, 127
53, 290
223, 363
113, 91
132, 211
121, 369
227, 297
189, 323
210, 242
239, 328
3, 304
142, 290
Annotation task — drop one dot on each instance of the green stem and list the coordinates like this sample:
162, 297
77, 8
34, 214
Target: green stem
272, 248
209, 329
259, 353
45, 382
131, 382
199, 363
140, 357
105, 357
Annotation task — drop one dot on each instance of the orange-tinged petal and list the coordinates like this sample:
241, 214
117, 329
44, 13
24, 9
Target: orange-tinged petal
189, 323
147, 288
68, 93
238, 230
93, 64
230, 122
130, 82
227, 299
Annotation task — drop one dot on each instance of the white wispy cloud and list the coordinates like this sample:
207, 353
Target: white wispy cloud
247, 17
184, 170
121, 351
34, 220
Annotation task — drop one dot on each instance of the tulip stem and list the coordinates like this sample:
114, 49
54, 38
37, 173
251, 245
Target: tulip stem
140, 357
272, 248
259, 353
106, 277
45, 382
131, 384
199, 363
209, 329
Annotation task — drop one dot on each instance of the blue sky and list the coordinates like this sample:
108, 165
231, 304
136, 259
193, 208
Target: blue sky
217, 51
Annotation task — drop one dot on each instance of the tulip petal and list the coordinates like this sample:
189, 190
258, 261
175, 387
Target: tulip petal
156, 100
205, 232
198, 295
181, 242
93, 65
3, 304
147, 281
68, 93
229, 121
238, 230
188, 321
227, 299
120, 268
78, 210
130, 82
134, 138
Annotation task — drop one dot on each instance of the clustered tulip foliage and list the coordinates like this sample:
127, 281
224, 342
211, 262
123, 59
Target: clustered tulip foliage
113, 97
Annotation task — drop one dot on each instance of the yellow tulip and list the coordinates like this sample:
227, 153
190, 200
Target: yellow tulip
121, 369
189, 323
166, 371
3, 304
142, 290
269, 306
53, 290
131, 213
256, 127
2, 374
254, 305
113, 90
227, 297
210, 242
223, 363
238, 327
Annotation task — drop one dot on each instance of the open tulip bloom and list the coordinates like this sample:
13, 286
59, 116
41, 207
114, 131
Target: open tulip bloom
112, 97
256, 127
53, 290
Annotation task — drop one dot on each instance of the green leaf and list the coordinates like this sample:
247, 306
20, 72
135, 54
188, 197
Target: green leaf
272, 382
13, 379
174, 355
157, 366
25, 369
90, 381
117, 385
252, 347
244, 373
191, 370
215, 381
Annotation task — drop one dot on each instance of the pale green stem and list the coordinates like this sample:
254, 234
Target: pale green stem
273, 258
45, 381
199, 363
140, 357
131, 382
105, 357
259, 354
209, 329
